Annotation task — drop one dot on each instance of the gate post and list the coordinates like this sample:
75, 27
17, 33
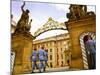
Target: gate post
77, 25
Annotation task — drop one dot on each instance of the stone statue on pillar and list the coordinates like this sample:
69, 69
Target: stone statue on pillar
23, 24
22, 41
77, 11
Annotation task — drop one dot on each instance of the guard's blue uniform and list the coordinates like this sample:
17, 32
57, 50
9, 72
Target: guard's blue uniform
34, 59
46, 58
41, 59
91, 47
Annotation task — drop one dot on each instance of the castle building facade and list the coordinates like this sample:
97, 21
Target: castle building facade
56, 47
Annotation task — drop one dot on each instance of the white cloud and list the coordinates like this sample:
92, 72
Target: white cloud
62, 19
61, 7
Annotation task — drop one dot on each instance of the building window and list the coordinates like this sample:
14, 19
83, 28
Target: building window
62, 63
57, 57
51, 65
50, 57
47, 50
55, 43
57, 50
46, 44
50, 43
61, 49
50, 50
61, 56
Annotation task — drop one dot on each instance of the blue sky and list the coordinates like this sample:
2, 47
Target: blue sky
40, 12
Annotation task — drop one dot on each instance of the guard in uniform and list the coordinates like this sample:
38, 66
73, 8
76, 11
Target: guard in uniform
34, 59
41, 59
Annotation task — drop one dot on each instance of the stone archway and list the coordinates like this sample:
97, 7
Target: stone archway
84, 55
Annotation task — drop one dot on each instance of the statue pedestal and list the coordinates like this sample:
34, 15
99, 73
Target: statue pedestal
22, 46
76, 28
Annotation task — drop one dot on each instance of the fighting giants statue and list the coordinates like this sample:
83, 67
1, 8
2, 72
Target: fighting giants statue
23, 24
78, 12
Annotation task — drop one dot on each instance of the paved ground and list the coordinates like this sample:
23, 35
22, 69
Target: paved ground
55, 69
61, 69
